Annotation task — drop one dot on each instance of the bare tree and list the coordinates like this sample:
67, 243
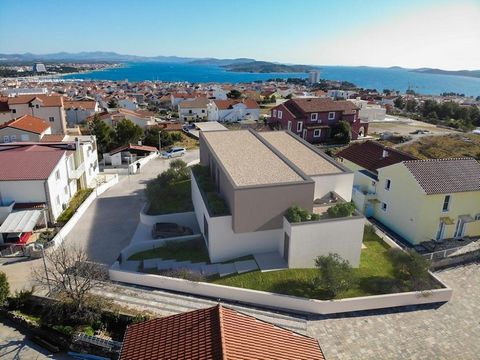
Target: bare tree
69, 272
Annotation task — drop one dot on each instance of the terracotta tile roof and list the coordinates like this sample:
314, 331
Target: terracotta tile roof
84, 104
47, 100
198, 103
309, 105
27, 123
32, 162
133, 147
445, 176
215, 333
228, 104
52, 138
369, 155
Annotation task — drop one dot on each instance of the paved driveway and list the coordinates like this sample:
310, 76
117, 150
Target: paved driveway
110, 222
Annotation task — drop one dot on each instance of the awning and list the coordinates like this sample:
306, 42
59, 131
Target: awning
21, 221
447, 220
466, 218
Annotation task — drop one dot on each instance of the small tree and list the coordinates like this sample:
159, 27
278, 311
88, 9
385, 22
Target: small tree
341, 210
71, 274
151, 137
112, 104
234, 94
342, 132
411, 269
127, 132
103, 134
399, 103
336, 274
4, 288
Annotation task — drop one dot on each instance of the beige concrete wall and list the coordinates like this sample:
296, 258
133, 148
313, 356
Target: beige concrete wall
20, 135
340, 183
263, 208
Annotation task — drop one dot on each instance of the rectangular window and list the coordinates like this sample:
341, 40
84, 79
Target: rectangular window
446, 203
299, 126
313, 117
316, 133
331, 115
384, 207
14, 111
280, 113
25, 137
57, 175
289, 125
440, 231
51, 119
477, 217
388, 184
57, 199
13, 138
6, 138
274, 113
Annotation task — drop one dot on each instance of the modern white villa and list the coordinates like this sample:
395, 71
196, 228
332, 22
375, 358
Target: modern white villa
260, 176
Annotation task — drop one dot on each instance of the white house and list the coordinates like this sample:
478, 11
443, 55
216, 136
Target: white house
78, 111
141, 118
177, 98
340, 94
49, 108
369, 112
128, 103
233, 110
194, 110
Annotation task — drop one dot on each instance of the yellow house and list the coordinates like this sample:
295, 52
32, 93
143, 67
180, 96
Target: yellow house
420, 200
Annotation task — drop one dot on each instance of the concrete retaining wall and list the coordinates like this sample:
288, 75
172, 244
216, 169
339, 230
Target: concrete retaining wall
65, 230
278, 301
184, 219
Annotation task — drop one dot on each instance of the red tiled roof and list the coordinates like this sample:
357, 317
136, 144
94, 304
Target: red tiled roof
83, 104
369, 155
133, 147
228, 104
47, 100
446, 176
32, 162
52, 138
27, 123
309, 105
215, 333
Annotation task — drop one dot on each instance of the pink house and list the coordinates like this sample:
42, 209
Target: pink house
313, 118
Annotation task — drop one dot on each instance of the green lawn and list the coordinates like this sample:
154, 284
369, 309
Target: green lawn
375, 269
190, 250
175, 198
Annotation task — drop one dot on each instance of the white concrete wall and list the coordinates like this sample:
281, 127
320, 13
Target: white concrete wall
5, 210
341, 183
278, 301
222, 243
60, 189
23, 191
311, 239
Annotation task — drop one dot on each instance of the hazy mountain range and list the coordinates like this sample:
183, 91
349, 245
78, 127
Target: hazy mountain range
236, 65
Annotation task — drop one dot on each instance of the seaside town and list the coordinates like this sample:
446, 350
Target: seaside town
284, 215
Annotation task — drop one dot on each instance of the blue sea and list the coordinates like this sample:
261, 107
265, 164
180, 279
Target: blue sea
366, 77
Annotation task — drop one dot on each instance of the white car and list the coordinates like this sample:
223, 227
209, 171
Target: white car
174, 152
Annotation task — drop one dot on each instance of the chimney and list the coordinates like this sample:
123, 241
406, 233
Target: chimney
384, 153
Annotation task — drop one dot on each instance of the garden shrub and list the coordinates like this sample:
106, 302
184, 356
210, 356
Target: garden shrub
336, 274
341, 210
296, 214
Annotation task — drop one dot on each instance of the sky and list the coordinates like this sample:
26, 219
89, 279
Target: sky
409, 33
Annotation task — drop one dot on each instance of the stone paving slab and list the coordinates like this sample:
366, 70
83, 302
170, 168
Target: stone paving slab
210, 269
270, 261
245, 266
226, 269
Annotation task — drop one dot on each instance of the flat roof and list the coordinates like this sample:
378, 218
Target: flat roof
209, 126
301, 155
248, 160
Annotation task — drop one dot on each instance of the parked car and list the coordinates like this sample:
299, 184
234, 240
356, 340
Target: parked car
166, 230
174, 152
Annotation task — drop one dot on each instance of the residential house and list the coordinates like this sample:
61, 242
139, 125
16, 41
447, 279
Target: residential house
24, 128
260, 176
78, 111
177, 98
420, 200
47, 173
314, 118
194, 110
141, 118
215, 333
340, 94
127, 154
234, 110
49, 108
369, 111
129, 103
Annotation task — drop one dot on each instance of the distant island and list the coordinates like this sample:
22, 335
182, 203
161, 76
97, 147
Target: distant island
267, 67
468, 73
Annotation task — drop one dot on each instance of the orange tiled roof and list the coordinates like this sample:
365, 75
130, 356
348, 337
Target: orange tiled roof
47, 100
27, 123
215, 333
83, 104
